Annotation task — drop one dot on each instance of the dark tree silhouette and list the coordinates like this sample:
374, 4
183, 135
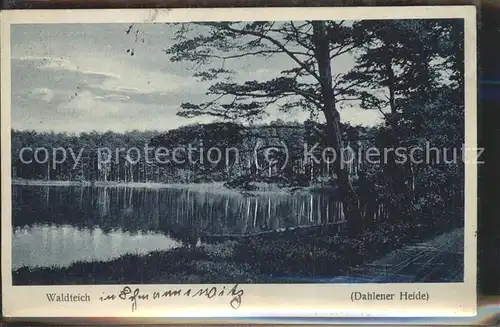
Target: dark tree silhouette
310, 46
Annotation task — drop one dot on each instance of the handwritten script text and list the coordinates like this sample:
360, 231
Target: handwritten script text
135, 295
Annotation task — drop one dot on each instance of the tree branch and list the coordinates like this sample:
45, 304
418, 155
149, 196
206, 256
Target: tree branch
280, 46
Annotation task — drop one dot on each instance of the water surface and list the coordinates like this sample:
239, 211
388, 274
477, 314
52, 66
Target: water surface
58, 225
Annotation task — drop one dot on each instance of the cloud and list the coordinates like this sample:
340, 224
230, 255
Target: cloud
59, 64
43, 93
86, 103
79, 77
359, 116
129, 76
113, 97
29, 74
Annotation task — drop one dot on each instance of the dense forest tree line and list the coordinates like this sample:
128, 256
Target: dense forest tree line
70, 157
242, 155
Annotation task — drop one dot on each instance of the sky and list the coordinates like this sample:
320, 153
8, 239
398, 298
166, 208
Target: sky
79, 78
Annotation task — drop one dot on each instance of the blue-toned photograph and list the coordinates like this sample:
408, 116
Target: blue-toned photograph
238, 152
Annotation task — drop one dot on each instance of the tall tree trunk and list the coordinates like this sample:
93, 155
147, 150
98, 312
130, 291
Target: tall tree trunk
398, 172
390, 80
332, 116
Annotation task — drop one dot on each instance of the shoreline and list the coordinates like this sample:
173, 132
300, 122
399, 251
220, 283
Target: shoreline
294, 257
218, 187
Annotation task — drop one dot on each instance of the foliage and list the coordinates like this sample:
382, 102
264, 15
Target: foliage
409, 70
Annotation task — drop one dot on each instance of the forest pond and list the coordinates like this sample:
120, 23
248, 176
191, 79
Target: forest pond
59, 225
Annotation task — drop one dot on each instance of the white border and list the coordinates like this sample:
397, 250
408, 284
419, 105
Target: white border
274, 300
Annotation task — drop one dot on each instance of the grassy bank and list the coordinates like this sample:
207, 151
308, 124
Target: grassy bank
294, 256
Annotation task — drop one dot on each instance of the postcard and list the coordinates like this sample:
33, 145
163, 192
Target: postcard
263, 162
